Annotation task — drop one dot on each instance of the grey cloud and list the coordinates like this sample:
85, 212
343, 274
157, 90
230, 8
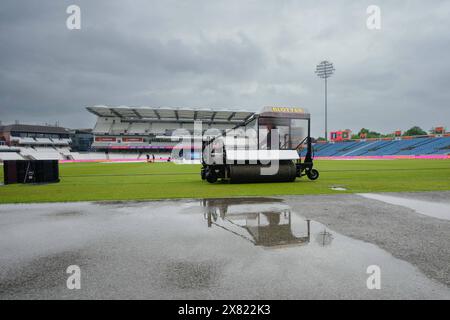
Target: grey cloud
227, 54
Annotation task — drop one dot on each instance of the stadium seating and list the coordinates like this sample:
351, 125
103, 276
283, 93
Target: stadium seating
163, 144
103, 125
401, 147
65, 151
10, 156
60, 142
139, 128
160, 128
41, 153
119, 127
44, 141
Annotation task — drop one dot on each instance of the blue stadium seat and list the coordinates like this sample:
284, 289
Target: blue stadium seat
416, 146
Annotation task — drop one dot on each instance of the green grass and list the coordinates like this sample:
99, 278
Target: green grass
138, 181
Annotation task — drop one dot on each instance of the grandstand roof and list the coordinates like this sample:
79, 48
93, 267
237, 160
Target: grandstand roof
33, 128
171, 114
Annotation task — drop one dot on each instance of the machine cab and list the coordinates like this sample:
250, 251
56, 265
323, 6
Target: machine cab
282, 128
272, 137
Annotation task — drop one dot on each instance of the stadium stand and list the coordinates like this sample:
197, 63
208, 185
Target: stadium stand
34, 142
103, 125
395, 147
139, 128
40, 153
130, 134
10, 156
9, 153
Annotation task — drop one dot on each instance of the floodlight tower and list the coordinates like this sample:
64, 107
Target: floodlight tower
324, 70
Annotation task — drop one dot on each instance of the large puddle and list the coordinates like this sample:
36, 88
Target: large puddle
209, 249
430, 208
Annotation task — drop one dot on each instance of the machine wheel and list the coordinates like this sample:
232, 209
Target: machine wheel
211, 177
312, 174
203, 174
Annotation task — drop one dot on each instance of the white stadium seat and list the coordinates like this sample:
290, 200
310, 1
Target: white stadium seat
139, 128
103, 125
10, 156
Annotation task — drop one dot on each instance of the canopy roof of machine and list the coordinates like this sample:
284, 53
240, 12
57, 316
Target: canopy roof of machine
285, 112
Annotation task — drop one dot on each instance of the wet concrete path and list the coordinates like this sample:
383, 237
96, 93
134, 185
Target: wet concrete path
304, 247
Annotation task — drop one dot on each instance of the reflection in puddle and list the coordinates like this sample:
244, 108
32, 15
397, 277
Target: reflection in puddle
324, 238
429, 208
268, 225
188, 275
338, 188
190, 250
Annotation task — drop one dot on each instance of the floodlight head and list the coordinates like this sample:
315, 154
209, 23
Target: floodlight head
324, 69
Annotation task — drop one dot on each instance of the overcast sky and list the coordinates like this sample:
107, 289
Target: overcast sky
227, 54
